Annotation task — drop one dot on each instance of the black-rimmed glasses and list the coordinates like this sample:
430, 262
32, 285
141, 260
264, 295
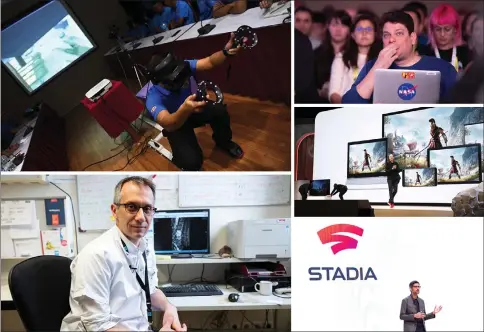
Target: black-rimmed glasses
133, 208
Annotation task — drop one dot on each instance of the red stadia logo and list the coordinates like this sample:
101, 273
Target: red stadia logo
342, 242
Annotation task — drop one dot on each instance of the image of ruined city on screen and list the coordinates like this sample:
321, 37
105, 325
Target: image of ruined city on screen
420, 177
367, 158
474, 134
460, 164
44, 56
411, 133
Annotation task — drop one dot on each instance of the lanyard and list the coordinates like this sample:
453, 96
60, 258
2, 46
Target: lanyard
355, 73
455, 59
145, 287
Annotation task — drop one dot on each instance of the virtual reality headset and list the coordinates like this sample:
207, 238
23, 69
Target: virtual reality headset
171, 72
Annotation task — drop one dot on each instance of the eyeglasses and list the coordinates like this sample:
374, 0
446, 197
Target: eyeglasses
417, 286
133, 208
361, 29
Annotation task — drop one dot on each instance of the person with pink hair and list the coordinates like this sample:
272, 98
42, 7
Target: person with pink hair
446, 37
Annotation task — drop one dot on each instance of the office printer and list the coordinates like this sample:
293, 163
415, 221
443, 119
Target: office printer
264, 238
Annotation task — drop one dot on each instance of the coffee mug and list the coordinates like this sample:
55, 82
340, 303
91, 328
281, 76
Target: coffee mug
264, 287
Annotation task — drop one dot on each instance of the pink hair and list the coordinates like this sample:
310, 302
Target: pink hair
445, 15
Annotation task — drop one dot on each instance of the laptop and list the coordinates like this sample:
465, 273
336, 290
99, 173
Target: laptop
396, 86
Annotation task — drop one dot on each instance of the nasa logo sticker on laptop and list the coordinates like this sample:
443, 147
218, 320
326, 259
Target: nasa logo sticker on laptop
407, 91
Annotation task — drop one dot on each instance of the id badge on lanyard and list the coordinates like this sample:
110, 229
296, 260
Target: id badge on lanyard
144, 286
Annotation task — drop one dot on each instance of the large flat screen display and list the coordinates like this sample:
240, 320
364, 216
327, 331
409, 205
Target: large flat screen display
43, 44
474, 134
457, 164
420, 177
412, 132
367, 158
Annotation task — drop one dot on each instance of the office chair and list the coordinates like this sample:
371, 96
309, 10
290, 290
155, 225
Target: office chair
40, 288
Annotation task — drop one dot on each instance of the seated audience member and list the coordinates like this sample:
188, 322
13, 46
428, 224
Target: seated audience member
336, 41
445, 37
470, 87
318, 30
161, 17
182, 13
467, 26
476, 37
399, 40
304, 20
362, 47
423, 13
225, 7
305, 87
422, 49
177, 111
205, 7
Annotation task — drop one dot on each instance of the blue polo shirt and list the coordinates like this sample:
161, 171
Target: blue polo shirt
205, 7
159, 98
159, 19
448, 77
185, 11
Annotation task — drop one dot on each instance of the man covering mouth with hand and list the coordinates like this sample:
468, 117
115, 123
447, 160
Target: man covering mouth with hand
399, 52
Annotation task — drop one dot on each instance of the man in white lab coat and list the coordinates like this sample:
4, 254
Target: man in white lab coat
114, 277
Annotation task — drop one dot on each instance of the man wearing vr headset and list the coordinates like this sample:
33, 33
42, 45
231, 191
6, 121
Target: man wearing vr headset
173, 105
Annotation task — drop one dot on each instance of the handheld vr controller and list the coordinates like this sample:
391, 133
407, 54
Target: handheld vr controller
202, 91
246, 37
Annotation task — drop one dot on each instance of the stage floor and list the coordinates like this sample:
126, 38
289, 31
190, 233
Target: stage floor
412, 211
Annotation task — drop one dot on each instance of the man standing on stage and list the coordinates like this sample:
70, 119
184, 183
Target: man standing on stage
367, 161
393, 178
412, 310
454, 167
435, 133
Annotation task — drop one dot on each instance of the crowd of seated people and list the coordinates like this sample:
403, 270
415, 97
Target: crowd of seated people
152, 17
346, 44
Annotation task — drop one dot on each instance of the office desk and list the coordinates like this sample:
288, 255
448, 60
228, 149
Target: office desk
6, 297
247, 301
263, 72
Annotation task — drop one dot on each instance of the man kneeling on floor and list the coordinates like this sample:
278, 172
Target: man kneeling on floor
173, 105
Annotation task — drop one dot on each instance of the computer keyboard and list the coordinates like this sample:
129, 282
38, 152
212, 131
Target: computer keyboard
191, 290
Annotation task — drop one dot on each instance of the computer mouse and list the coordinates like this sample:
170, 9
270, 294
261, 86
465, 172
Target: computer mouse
234, 297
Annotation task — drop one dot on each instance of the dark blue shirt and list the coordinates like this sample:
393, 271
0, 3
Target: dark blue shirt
205, 7
161, 18
183, 10
448, 77
159, 98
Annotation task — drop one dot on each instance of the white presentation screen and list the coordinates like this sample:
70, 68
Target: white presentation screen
445, 255
335, 128
42, 44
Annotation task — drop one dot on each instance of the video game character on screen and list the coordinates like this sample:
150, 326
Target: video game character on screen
454, 167
367, 161
435, 133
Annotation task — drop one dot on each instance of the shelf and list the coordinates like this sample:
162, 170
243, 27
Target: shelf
161, 260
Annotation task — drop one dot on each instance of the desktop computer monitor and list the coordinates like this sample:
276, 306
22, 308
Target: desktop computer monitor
181, 232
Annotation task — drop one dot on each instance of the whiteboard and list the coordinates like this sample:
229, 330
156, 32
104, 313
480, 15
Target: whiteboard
96, 192
233, 190
95, 195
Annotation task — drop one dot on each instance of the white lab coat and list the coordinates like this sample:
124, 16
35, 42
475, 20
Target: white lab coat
104, 290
